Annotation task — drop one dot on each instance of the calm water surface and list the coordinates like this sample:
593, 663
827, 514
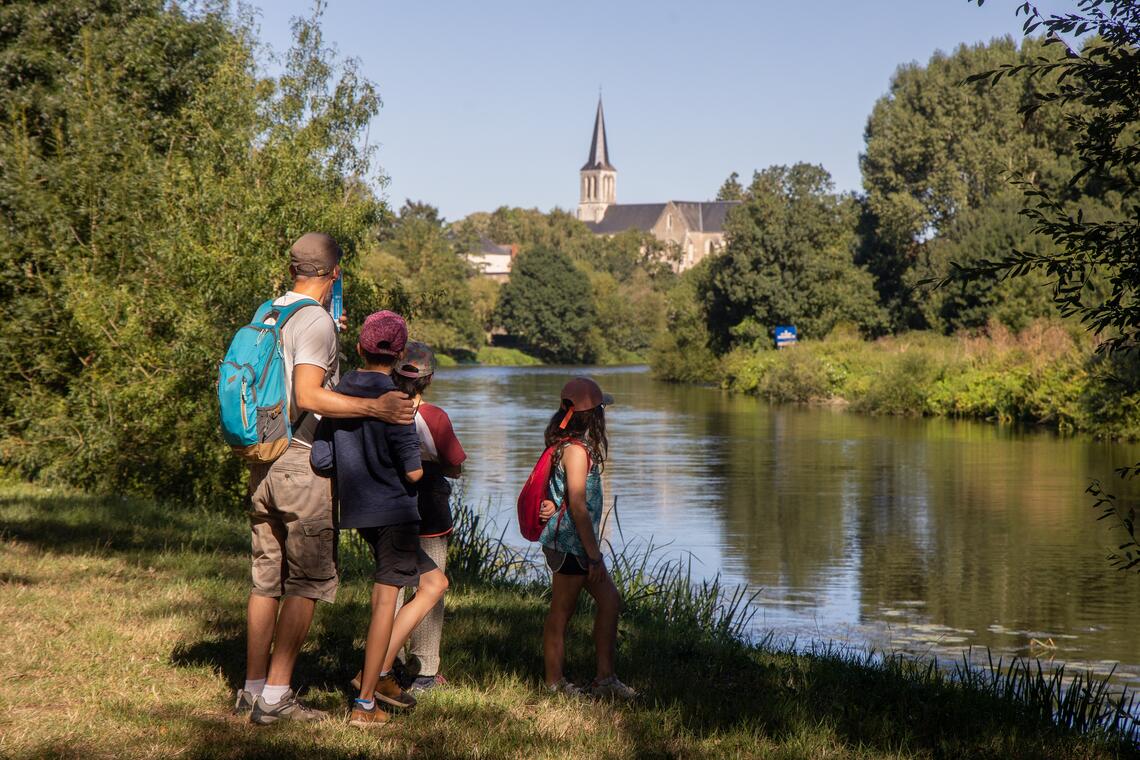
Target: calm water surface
925, 536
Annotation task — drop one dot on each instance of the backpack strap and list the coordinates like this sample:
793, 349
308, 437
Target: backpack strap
284, 313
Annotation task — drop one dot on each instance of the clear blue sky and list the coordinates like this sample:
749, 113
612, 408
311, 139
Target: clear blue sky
492, 103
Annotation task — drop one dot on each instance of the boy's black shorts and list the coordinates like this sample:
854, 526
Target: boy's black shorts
396, 550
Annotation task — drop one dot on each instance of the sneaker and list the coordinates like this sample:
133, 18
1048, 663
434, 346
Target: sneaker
287, 709
562, 686
244, 702
367, 717
424, 683
388, 691
611, 687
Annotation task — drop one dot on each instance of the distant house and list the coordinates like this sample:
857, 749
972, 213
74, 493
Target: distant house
696, 227
493, 260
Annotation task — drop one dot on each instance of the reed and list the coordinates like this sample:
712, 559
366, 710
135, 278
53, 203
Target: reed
662, 591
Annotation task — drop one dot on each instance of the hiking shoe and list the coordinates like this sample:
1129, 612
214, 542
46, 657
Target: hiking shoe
367, 718
388, 691
612, 688
287, 709
244, 702
424, 683
562, 686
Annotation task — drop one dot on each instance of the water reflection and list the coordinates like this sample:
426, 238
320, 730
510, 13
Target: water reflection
926, 535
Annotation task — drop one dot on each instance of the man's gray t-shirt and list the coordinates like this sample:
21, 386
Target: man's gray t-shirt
309, 337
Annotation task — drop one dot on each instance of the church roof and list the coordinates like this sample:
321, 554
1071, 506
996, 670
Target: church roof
705, 216
697, 216
599, 149
620, 217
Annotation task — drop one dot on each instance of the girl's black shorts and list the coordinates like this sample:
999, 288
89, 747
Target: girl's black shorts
565, 563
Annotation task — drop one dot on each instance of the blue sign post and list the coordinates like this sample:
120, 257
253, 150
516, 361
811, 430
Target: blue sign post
785, 336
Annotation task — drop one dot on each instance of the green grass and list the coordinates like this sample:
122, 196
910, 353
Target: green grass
498, 356
1047, 375
123, 637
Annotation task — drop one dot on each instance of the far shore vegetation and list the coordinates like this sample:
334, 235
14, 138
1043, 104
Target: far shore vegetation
1048, 375
141, 603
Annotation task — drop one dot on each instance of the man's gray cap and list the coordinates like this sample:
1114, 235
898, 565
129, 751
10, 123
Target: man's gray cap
314, 254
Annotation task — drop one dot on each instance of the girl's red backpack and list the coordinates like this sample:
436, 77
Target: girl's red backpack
535, 490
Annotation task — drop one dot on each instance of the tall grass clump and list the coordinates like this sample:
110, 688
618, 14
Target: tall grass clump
478, 550
1081, 703
664, 590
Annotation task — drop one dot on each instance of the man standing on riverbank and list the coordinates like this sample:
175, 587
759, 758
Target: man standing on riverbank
291, 512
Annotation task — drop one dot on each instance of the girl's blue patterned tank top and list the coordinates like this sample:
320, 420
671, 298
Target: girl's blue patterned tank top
562, 535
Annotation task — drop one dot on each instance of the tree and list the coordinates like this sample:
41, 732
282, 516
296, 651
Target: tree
630, 272
731, 190
1099, 84
435, 276
484, 300
681, 352
630, 314
1093, 266
936, 149
150, 185
548, 306
969, 302
788, 260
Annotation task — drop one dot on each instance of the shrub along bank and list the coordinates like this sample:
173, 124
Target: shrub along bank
1046, 374
154, 631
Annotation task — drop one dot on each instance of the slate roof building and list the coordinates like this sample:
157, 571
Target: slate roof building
493, 260
696, 227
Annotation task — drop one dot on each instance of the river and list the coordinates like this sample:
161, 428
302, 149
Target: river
926, 536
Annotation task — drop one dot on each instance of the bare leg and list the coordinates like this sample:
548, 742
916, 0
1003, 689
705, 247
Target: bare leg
292, 628
432, 587
605, 623
423, 643
261, 619
563, 599
379, 636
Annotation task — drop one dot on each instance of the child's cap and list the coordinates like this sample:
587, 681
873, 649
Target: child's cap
419, 361
583, 394
384, 332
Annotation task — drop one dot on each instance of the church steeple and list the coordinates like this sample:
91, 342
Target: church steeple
598, 177
599, 155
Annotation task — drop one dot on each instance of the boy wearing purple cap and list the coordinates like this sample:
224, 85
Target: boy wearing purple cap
376, 466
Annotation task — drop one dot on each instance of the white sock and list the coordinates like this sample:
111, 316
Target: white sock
386, 672
255, 687
272, 693
367, 704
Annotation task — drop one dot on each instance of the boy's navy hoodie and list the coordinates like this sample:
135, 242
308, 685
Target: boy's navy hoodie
368, 458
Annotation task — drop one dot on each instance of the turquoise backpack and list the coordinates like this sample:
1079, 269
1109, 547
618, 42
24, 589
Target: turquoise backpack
252, 392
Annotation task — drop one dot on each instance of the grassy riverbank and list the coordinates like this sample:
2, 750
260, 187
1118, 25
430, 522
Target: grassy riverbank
1044, 375
123, 637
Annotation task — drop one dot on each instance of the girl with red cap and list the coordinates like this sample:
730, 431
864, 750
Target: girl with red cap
570, 537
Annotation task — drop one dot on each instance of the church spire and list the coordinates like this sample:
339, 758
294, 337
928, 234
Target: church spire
599, 153
598, 178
